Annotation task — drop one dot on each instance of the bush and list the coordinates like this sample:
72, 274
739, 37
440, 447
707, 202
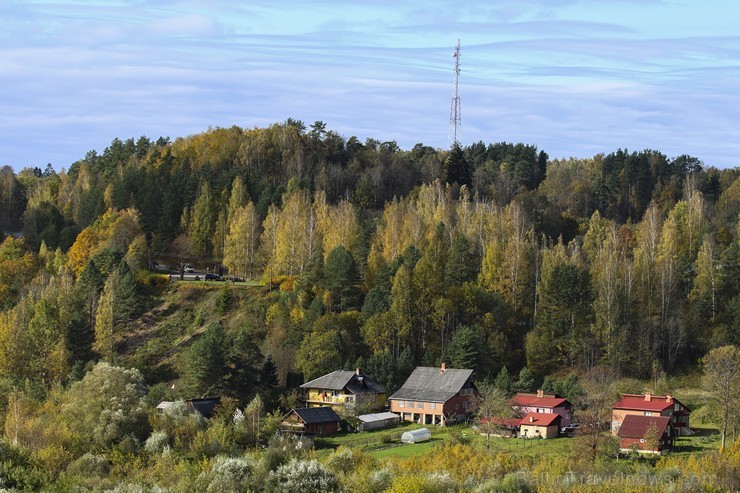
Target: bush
157, 442
90, 465
231, 475
304, 476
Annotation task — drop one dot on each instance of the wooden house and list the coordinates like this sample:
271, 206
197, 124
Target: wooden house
645, 434
651, 405
311, 421
436, 396
347, 392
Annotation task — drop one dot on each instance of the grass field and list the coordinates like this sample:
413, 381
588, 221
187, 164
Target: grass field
382, 444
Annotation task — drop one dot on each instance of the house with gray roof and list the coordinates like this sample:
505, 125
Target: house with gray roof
436, 396
311, 421
347, 392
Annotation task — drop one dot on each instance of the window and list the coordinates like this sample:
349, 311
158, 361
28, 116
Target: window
409, 404
457, 406
400, 403
648, 413
465, 392
420, 405
677, 407
334, 393
432, 406
465, 405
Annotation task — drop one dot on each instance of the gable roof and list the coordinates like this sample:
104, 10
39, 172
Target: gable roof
429, 384
345, 379
636, 426
310, 415
531, 400
637, 402
540, 419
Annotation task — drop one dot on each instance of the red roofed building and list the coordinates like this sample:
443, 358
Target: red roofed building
543, 403
634, 434
539, 425
652, 405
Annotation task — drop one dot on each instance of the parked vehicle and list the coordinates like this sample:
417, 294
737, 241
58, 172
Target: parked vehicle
214, 277
188, 268
570, 429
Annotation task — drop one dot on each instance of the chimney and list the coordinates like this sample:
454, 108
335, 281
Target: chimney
531, 419
540, 393
648, 397
444, 366
669, 398
358, 372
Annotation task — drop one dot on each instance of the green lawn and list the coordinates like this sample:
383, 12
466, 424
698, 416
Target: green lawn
383, 444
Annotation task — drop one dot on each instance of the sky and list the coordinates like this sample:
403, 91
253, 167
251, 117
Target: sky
575, 78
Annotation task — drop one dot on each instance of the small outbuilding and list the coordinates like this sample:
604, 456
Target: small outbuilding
416, 436
378, 420
645, 434
539, 425
311, 421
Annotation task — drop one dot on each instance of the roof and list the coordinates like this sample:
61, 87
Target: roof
370, 418
540, 419
531, 400
637, 402
310, 415
429, 384
345, 379
204, 406
636, 426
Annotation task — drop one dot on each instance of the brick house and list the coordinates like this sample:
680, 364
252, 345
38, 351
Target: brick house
652, 405
635, 431
436, 396
347, 392
542, 403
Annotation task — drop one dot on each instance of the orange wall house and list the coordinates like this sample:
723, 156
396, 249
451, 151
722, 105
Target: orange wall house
435, 396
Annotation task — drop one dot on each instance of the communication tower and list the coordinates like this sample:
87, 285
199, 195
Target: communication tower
455, 117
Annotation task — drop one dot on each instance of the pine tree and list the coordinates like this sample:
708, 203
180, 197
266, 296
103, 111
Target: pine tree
205, 370
456, 168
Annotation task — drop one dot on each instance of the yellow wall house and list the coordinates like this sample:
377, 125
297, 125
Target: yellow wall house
347, 392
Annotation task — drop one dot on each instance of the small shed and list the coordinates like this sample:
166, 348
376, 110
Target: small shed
312, 421
416, 436
378, 420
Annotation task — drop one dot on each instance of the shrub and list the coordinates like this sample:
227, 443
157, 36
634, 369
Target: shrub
157, 442
231, 475
90, 465
304, 476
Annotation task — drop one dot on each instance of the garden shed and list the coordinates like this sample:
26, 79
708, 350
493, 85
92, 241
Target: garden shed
416, 436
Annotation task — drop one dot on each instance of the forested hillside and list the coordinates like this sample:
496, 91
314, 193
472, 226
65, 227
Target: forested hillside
491, 256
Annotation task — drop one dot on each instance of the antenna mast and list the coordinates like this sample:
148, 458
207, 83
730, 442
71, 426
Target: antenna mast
455, 117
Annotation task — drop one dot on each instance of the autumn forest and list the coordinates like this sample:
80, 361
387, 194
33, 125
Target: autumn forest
494, 257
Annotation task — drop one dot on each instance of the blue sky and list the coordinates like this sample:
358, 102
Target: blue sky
573, 77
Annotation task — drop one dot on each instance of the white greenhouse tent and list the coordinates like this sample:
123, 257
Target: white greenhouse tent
416, 436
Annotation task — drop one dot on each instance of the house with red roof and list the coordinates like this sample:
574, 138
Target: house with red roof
645, 434
540, 425
542, 403
652, 405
